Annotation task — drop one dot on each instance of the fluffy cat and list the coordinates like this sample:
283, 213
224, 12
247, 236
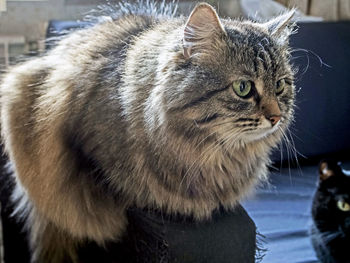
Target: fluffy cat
146, 110
331, 214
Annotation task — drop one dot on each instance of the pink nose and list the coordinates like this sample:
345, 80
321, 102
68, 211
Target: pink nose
274, 119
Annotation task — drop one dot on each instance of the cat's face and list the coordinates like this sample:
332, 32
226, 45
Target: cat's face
238, 81
331, 206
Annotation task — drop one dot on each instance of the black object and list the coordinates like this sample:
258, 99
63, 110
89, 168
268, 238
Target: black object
229, 237
154, 237
330, 232
14, 237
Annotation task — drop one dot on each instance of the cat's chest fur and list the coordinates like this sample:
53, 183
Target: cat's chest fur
195, 187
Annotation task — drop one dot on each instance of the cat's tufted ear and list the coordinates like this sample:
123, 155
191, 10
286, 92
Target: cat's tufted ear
329, 168
202, 28
281, 27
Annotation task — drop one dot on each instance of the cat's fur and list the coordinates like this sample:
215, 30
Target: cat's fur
331, 226
139, 111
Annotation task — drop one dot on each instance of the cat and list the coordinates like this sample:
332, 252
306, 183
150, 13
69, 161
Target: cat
330, 232
148, 110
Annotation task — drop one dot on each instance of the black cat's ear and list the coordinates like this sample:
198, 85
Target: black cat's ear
329, 168
281, 27
201, 29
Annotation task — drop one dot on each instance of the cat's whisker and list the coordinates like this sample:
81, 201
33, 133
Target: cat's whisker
296, 152
286, 141
307, 51
290, 141
328, 236
288, 144
288, 138
291, 136
280, 145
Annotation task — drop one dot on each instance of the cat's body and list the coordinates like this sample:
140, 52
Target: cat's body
137, 111
330, 231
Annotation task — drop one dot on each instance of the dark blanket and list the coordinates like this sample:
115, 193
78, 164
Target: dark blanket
229, 237
153, 237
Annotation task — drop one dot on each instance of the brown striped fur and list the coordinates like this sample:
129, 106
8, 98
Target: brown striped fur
128, 113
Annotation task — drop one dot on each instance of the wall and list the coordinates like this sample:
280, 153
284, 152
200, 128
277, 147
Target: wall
30, 18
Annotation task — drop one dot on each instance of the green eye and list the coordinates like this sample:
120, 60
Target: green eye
242, 88
280, 86
343, 206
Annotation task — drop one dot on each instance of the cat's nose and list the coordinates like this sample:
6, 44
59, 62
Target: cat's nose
271, 111
274, 119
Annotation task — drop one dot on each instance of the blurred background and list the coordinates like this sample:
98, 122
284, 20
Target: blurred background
24, 23
320, 51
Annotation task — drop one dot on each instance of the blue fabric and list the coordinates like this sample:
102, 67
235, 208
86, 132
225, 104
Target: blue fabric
282, 213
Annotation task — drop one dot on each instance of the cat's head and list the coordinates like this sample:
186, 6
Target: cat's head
331, 206
232, 79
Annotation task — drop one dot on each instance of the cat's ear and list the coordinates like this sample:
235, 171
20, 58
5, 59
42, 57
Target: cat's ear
201, 29
281, 27
329, 168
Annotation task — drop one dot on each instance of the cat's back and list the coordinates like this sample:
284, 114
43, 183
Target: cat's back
80, 49
39, 94
75, 62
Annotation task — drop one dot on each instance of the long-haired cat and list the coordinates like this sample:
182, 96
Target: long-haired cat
145, 110
330, 233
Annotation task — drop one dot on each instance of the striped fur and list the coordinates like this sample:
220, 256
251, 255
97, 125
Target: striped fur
118, 115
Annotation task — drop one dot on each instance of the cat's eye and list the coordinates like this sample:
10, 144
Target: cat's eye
343, 206
243, 88
280, 86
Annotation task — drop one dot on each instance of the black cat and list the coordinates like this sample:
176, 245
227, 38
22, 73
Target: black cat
330, 233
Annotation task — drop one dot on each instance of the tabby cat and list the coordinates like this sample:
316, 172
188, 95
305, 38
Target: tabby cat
148, 110
331, 214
